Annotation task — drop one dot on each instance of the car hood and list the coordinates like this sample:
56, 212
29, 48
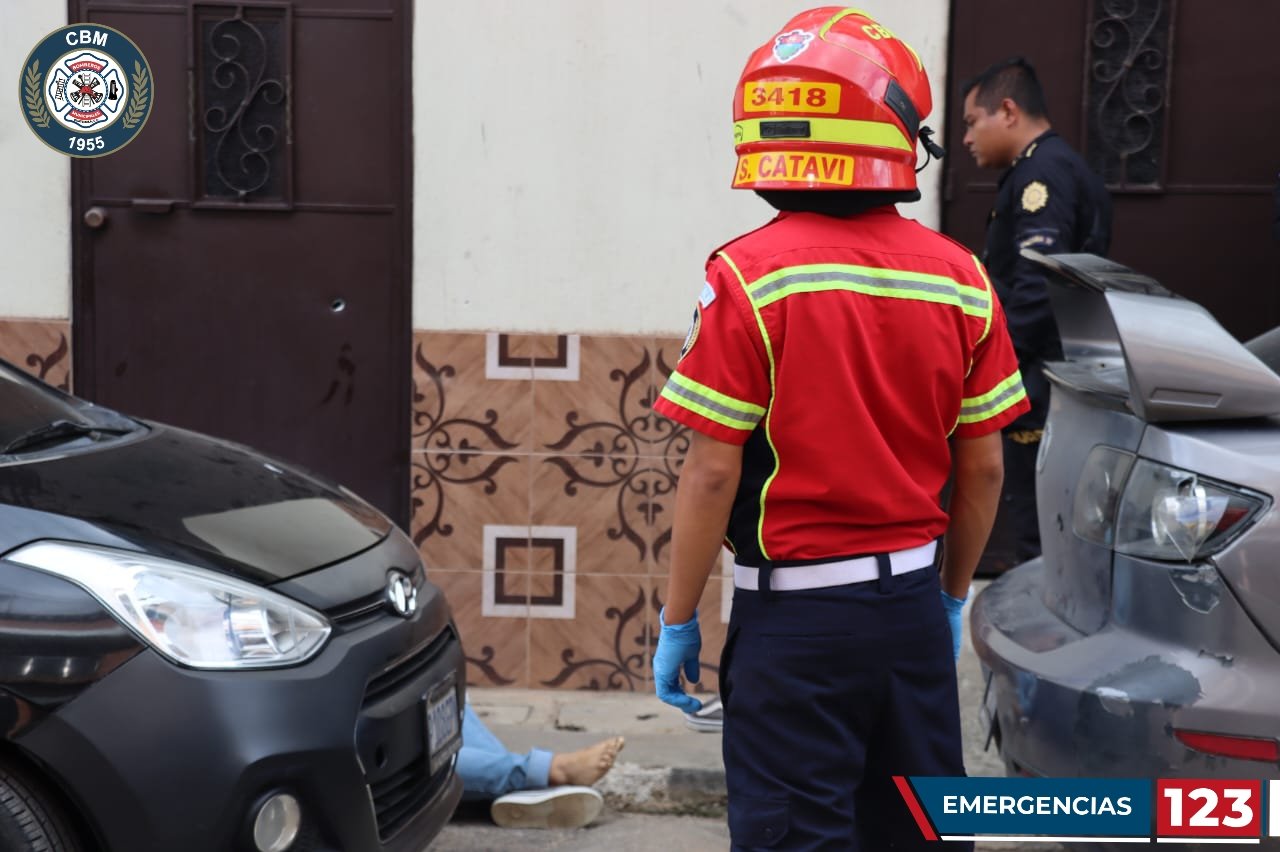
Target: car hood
189, 497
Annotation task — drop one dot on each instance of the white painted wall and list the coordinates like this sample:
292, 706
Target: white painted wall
573, 158
35, 187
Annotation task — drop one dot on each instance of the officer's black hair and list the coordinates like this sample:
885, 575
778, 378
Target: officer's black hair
834, 202
1013, 78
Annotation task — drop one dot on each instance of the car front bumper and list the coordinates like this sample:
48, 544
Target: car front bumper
159, 758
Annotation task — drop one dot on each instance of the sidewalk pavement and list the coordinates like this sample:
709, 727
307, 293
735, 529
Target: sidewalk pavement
665, 767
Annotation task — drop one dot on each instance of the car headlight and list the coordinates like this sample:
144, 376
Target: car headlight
193, 616
1144, 508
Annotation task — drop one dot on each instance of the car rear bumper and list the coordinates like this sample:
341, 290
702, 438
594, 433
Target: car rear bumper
1106, 704
159, 757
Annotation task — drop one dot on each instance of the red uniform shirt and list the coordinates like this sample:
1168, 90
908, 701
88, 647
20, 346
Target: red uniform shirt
843, 353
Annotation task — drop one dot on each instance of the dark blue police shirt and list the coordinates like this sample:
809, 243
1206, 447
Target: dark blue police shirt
1051, 201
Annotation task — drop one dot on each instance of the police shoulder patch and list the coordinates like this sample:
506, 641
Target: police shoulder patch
1035, 196
692, 337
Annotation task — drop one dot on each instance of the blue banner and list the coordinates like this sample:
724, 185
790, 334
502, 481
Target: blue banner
1060, 807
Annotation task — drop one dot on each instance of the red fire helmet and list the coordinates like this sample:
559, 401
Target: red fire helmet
833, 101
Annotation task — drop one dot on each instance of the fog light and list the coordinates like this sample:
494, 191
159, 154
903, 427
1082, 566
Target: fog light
276, 825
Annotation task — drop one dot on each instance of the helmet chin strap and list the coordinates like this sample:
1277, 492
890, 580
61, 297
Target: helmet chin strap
932, 150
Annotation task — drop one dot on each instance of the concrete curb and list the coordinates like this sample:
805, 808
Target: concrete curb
665, 790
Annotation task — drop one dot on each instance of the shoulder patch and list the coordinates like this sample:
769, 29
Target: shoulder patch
708, 295
692, 337
1035, 196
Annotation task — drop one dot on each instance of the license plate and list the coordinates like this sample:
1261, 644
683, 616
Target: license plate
443, 736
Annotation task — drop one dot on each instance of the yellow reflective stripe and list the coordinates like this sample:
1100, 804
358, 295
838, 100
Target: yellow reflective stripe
870, 281
822, 33
880, 134
711, 404
983, 272
996, 401
768, 417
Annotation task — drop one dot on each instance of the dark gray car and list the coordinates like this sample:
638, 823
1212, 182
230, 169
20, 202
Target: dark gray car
208, 650
1143, 643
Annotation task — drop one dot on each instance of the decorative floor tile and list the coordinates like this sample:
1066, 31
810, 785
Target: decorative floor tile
496, 647
605, 646
608, 410
519, 550
39, 346
527, 356
456, 407
621, 507
455, 495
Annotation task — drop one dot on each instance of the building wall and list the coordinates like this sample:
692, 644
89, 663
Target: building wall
572, 161
35, 239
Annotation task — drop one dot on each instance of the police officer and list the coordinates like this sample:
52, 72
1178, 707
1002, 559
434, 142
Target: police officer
1051, 201
843, 361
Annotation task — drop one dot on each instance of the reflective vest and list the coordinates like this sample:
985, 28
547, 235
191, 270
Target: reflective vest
843, 353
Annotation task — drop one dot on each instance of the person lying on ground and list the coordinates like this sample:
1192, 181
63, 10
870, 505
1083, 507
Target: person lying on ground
537, 789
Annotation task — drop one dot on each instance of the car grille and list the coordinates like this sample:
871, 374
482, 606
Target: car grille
406, 669
359, 612
398, 797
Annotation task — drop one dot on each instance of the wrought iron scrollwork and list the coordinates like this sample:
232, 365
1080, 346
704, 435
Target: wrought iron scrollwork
1130, 44
244, 103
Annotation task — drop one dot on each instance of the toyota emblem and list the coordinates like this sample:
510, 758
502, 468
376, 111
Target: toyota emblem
402, 596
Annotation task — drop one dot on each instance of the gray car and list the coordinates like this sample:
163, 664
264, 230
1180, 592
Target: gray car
1144, 641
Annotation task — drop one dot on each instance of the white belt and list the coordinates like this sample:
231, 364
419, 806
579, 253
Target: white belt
792, 578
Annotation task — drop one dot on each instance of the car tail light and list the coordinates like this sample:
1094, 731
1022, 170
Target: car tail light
1226, 745
1144, 508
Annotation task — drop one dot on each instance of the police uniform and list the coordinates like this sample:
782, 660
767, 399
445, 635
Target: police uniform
842, 353
1051, 201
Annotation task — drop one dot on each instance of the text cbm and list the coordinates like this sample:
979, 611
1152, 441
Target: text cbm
97, 37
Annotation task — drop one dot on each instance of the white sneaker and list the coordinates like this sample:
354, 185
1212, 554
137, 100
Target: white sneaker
709, 719
554, 807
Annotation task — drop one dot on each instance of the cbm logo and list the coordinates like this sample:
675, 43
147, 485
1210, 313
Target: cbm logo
86, 90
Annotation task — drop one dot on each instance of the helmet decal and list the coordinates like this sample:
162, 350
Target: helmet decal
788, 46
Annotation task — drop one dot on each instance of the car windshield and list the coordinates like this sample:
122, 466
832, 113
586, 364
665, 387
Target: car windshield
28, 406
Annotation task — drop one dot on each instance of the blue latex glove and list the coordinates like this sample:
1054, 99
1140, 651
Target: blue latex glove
954, 606
678, 648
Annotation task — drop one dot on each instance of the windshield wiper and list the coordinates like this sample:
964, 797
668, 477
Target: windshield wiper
58, 430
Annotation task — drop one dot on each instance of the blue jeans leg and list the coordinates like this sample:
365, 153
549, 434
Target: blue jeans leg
488, 770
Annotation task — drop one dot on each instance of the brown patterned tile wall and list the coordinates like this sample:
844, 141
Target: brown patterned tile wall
42, 347
543, 490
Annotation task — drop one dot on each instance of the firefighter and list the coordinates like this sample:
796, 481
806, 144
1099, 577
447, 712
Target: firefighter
1051, 201
843, 361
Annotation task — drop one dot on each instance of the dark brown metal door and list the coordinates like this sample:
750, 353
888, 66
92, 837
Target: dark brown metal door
1176, 103
241, 268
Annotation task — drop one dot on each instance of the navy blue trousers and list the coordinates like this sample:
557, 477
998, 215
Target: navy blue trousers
828, 694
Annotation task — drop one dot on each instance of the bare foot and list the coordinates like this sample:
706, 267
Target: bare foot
585, 766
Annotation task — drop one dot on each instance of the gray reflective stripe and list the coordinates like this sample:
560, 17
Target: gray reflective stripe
993, 405
905, 287
708, 407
